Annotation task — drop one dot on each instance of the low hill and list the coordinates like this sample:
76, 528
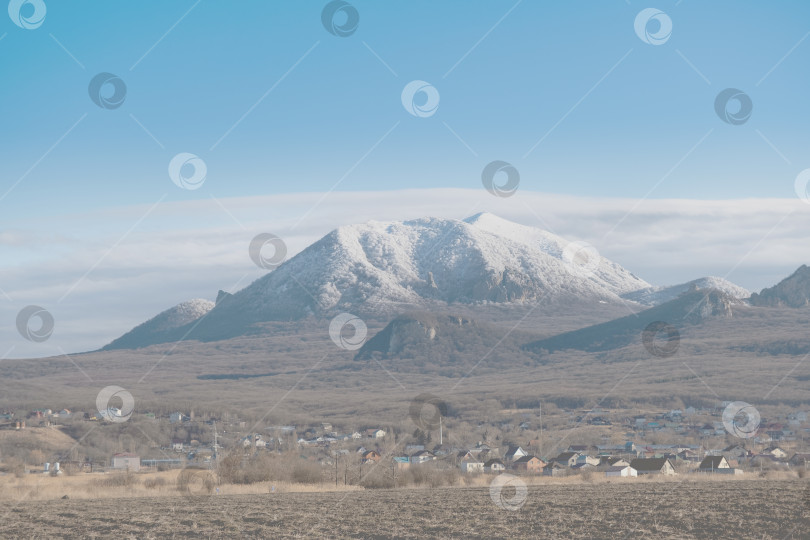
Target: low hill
692, 308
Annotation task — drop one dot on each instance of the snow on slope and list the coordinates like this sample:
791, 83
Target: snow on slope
654, 296
483, 258
378, 266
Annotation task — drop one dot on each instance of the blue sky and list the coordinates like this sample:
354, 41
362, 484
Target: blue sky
507, 93
276, 105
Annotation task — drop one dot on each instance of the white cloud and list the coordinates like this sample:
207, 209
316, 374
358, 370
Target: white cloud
191, 249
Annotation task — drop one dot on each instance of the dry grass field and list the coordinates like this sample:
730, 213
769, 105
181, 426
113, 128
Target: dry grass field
762, 509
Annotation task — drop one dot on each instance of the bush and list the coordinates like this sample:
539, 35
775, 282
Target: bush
116, 480
196, 482
152, 483
306, 472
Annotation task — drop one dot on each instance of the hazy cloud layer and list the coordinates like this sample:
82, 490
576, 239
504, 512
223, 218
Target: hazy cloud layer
101, 274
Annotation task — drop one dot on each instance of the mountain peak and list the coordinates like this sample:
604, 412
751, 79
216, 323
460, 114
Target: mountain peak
793, 291
377, 267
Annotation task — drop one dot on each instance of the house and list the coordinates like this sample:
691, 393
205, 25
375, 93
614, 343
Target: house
356, 435
611, 461
776, 435
776, 452
532, 464
712, 463
554, 469
621, 470
567, 459
371, 456
177, 445
587, 460
494, 465
126, 461
736, 451
472, 467
176, 417
375, 433
800, 460
653, 466
796, 418
688, 455
466, 457
402, 462
414, 447
422, 457
514, 452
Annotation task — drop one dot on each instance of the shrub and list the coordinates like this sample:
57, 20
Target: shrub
306, 472
152, 483
116, 480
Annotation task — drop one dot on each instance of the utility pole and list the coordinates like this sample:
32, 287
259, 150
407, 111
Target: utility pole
441, 438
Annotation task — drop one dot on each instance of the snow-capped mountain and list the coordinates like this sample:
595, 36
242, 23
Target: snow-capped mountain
379, 266
653, 296
373, 265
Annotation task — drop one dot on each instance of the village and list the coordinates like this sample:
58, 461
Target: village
596, 441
